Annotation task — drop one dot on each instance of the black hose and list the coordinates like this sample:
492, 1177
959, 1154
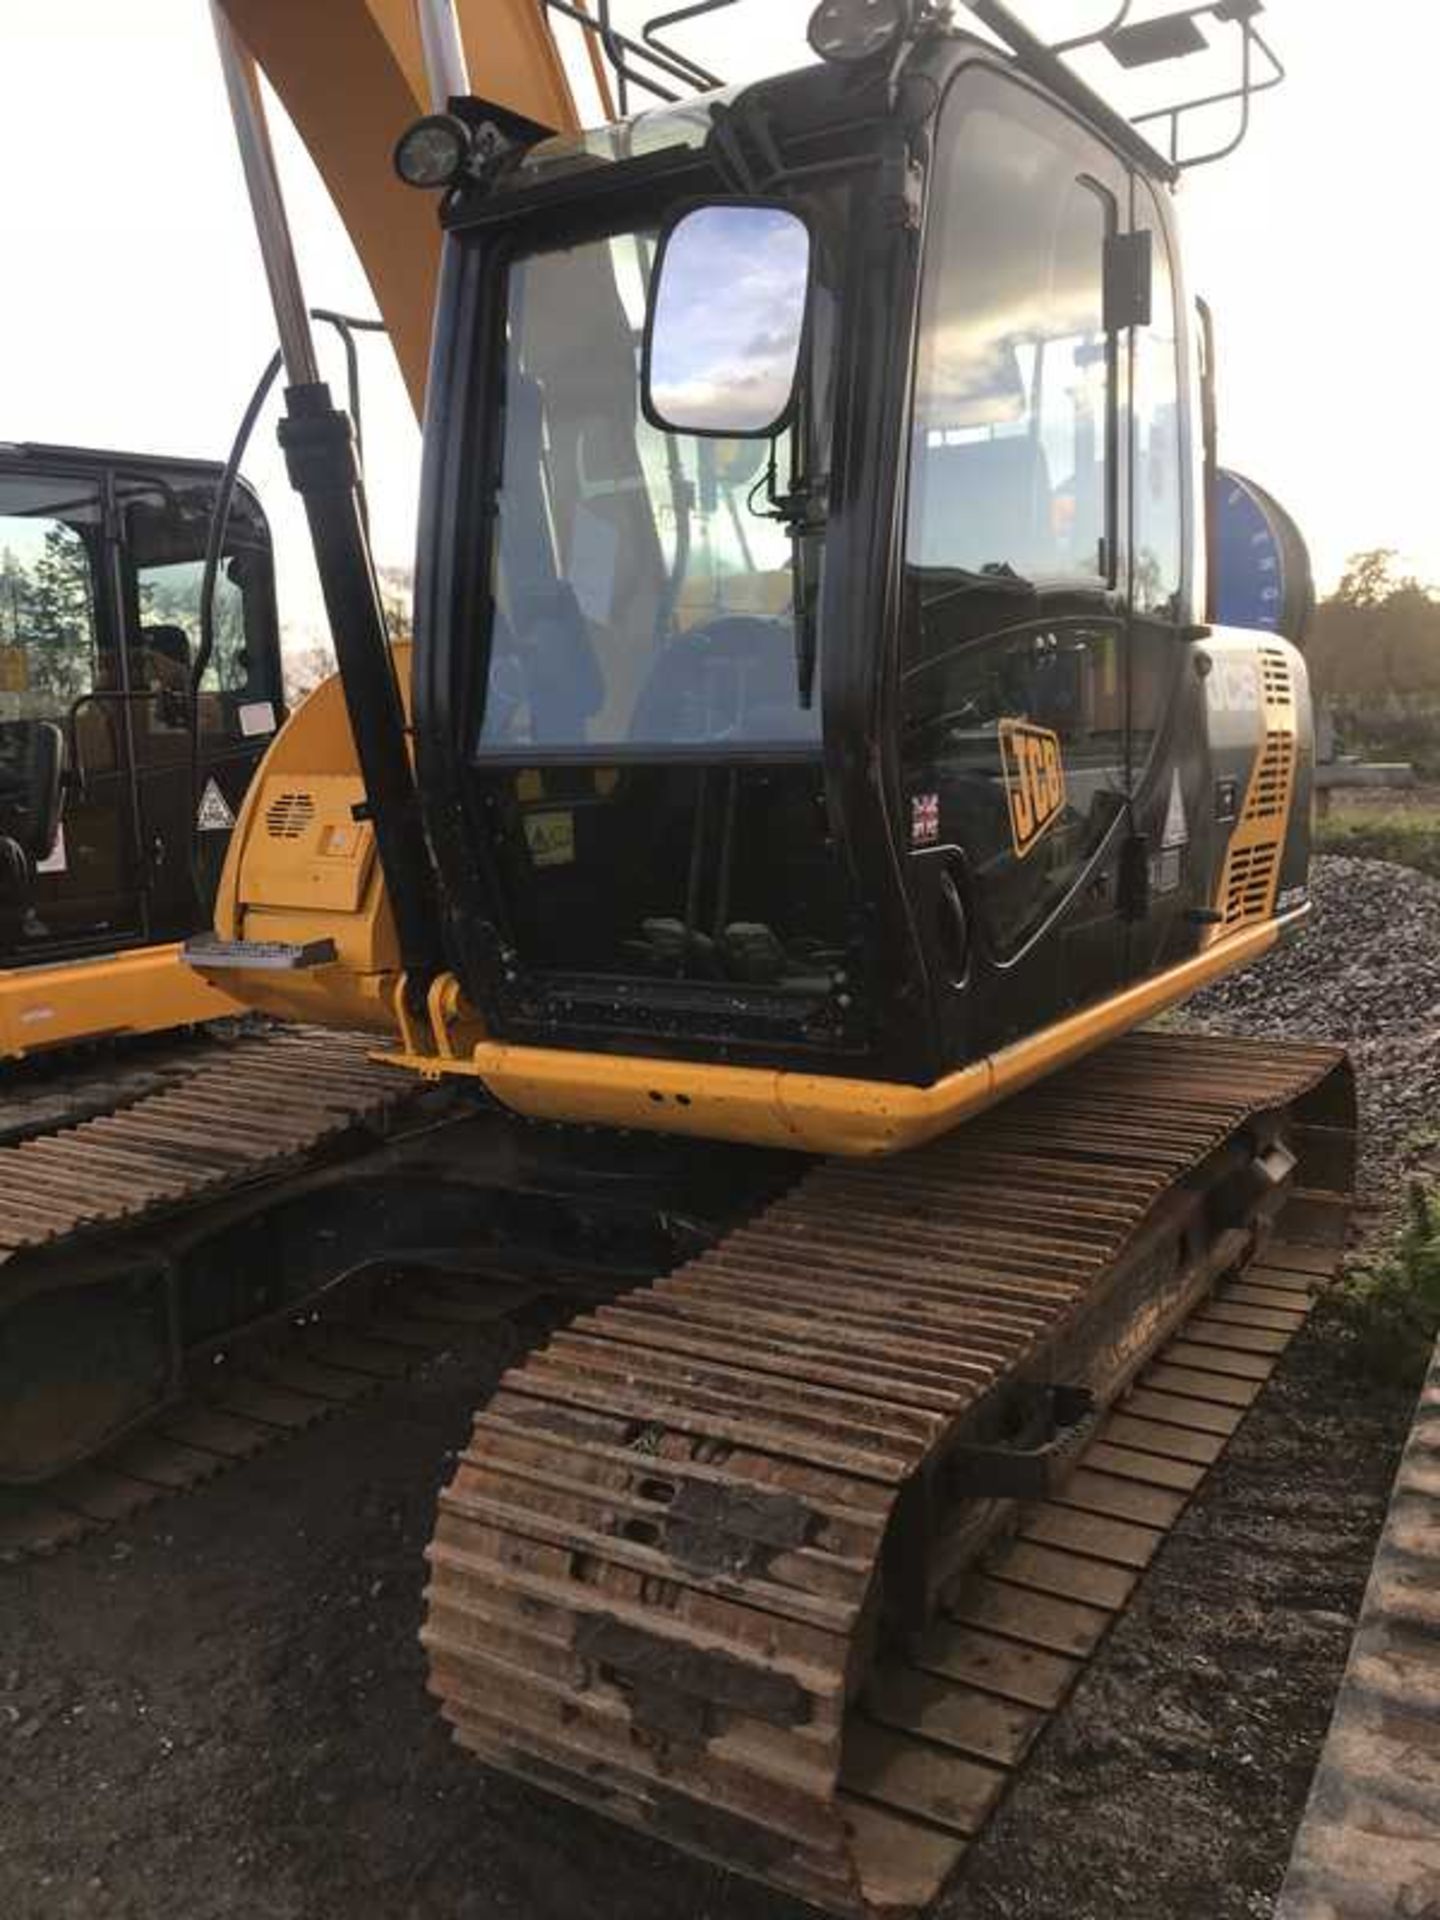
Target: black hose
345, 325
214, 548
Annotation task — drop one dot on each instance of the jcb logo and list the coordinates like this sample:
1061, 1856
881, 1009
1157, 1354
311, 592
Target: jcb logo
1034, 781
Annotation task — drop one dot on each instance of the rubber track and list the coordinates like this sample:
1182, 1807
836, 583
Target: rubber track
205, 1119
654, 1575
267, 1391
227, 1115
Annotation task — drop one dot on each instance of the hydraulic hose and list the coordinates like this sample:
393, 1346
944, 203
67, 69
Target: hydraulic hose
346, 325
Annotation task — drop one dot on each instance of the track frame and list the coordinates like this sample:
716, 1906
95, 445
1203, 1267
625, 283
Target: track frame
827, 1386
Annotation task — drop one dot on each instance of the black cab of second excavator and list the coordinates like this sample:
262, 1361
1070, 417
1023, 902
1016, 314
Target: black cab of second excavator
131, 720
814, 688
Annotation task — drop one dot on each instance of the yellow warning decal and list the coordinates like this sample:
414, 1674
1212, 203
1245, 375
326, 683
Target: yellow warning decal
1034, 780
551, 838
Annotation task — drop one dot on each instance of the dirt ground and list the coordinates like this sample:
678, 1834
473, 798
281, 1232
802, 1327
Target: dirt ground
219, 1711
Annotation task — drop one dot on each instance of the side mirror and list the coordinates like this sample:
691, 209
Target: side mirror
726, 320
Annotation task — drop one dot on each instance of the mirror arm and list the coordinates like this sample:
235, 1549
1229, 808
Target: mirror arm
807, 601
803, 512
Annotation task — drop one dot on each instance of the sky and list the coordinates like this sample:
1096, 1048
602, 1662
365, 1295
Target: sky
133, 312
729, 311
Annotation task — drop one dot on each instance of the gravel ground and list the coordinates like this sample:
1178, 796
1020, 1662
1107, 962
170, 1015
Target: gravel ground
218, 1713
1365, 973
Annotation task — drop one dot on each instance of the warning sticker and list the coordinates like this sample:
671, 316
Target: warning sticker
256, 717
551, 838
1177, 830
214, 815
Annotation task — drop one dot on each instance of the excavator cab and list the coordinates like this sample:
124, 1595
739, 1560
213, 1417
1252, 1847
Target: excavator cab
119, 776
817, 691
812, 667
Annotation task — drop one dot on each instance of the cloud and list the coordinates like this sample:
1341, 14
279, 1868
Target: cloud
729, 310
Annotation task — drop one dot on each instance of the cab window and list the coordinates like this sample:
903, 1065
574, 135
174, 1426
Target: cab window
49, 634
167, 527
1009, 454
1157, 449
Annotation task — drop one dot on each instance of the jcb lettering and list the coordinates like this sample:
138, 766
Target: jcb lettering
1034, 780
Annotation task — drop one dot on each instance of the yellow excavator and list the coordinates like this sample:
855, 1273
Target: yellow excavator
819, 756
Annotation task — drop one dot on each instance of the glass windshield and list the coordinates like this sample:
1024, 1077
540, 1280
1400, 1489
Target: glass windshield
645, 583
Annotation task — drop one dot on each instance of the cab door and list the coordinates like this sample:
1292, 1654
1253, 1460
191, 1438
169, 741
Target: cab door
190, 789
1169, 776
1013, 656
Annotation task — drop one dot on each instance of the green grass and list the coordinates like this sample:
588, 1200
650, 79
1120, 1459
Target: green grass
1411, 837
1390, 1306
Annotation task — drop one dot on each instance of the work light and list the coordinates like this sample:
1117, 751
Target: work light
433, 152
853, 30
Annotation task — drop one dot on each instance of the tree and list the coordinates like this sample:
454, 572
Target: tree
1376, 639
58, 619
397, 592
1369, 578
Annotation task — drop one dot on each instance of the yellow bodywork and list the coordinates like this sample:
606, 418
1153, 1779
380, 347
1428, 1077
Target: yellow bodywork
149, 990
350, 75
302, 869
812, 1113
1250, 875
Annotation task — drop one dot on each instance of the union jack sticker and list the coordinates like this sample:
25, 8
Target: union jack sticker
924, 819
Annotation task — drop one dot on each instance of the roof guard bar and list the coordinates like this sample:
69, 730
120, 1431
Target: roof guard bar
1172, 36
1113, 25
649, 63
656, 66
1252, 41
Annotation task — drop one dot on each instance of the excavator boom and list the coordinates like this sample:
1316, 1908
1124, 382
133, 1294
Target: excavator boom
351, 76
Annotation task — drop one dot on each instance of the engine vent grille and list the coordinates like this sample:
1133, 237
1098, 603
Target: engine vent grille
1269, 795
1277, 678
1249, 878
288, 815
1251, 872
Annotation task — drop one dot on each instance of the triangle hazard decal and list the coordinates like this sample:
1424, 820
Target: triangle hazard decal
215, 814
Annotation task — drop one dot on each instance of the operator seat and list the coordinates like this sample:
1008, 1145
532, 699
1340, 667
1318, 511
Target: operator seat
731, 682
